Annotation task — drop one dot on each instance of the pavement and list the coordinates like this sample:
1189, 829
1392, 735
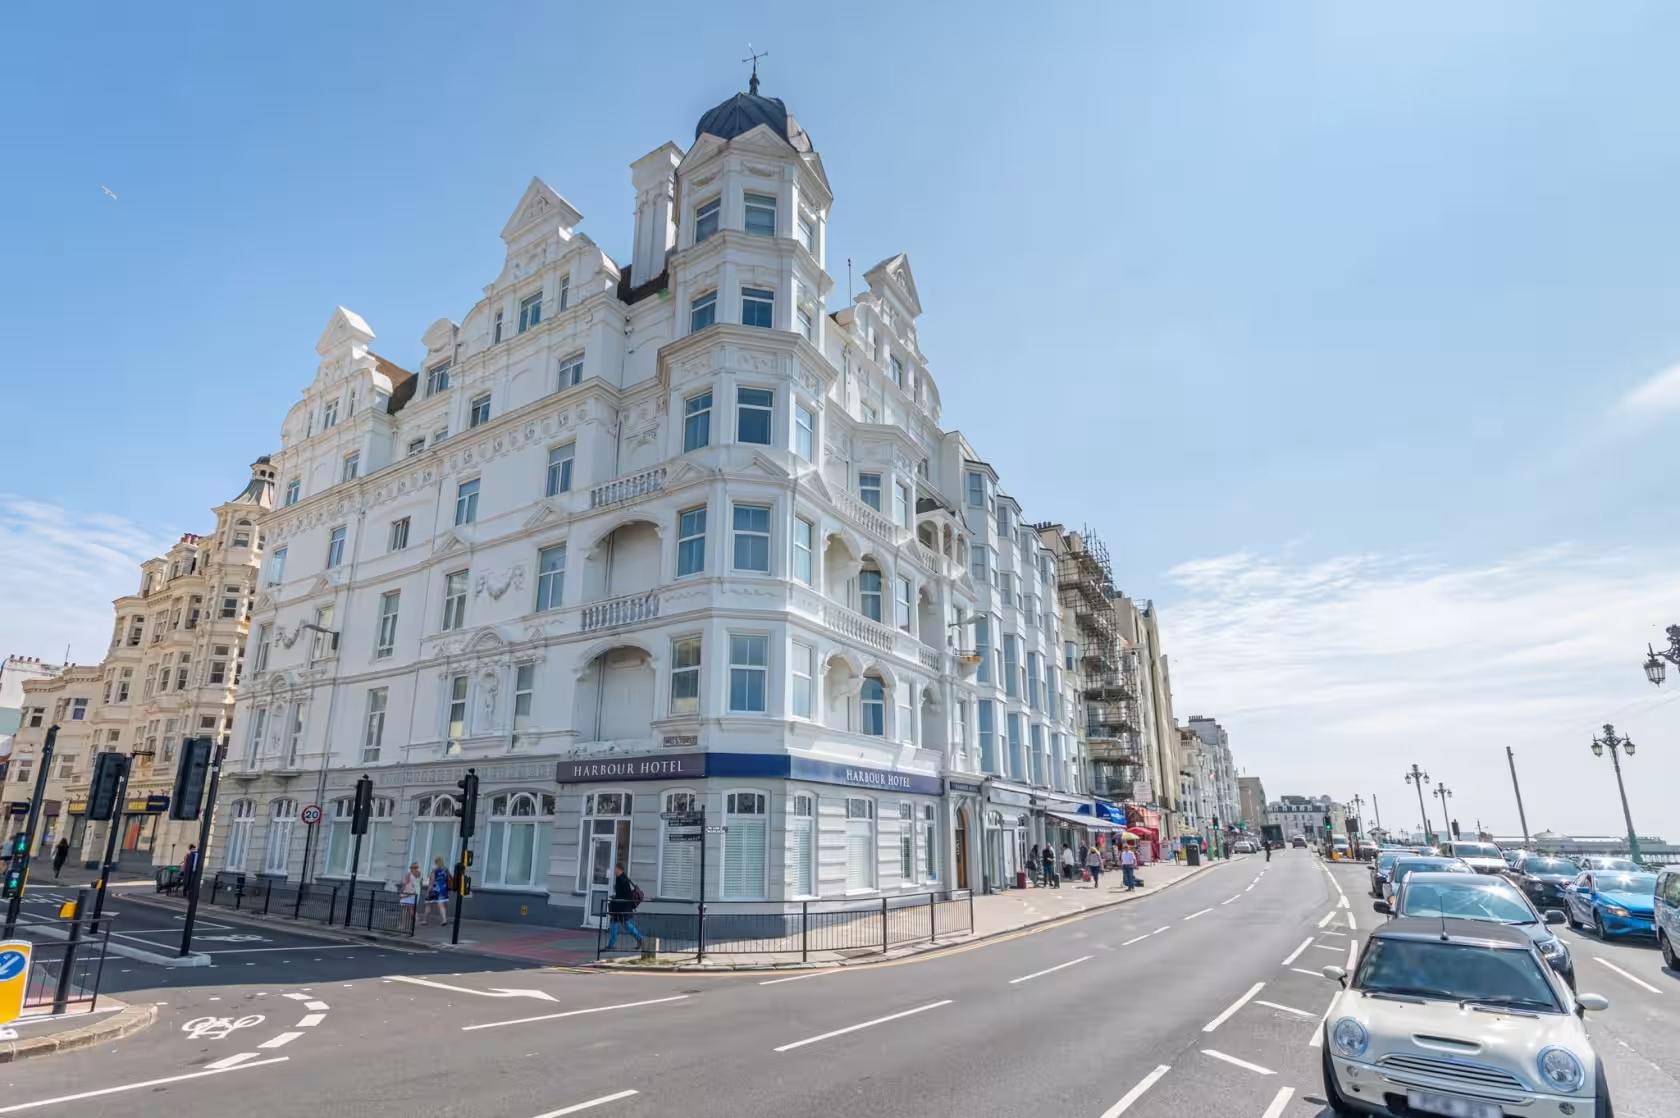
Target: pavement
1203, 999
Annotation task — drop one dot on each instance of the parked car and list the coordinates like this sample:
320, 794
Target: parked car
1543, 879
1668, 915
1483, 857
1405, 867
1244, 846
1458, 1017
1606, 862
1480, 897
1298, 840
1513, 857
1382, 867
1613, 904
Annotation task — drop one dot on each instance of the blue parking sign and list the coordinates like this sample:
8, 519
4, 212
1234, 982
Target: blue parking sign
14, 978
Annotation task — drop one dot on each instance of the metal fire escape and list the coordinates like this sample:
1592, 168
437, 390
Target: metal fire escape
1107, 667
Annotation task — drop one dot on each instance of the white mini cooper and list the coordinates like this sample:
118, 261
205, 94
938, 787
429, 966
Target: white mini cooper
1463, 1019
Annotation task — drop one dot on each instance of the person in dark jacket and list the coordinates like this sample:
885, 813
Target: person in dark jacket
622, 906
1050, 867
60, 853
189, 868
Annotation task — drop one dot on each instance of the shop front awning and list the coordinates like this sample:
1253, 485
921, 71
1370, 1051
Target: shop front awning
1088, 821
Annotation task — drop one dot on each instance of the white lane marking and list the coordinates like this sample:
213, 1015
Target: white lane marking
231, 1061
280, 1041
1353, 925
298, 949
1239, 1063
310, 1020
1285, 1008
1343, 903
298, 997
1328, 916
1251, 885
316, 1007
800, 977
1626, 975
573, 1109
573, 1013
1238, 897
1193, 915
1232, 1008
1146, 935
15, 1107
1050, 970
1326, 947
1304, 970
1318, 1033
1279, 1101
1132, 1096
1353, 954
1296, 954
493, 992
863, 1025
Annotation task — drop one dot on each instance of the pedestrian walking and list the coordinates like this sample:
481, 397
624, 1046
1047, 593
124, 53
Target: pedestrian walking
621, 907
1068, 863
60, 853
1093, 862
437, 894
1049, 861
1128, 867
408, 894
1033, 864
189, 872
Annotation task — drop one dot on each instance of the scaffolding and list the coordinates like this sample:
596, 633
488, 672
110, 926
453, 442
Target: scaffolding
1107, 665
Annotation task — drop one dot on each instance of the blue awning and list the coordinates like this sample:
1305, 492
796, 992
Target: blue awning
1105, 810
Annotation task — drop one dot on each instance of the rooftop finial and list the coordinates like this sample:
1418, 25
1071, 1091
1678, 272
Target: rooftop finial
753, 56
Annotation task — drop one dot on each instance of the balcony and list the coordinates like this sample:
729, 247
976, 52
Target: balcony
867, 518
629, 488
858, 627
932, 658
614, 613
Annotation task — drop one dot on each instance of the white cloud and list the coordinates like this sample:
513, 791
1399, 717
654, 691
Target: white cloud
1335, 675
1659, 393
59, 571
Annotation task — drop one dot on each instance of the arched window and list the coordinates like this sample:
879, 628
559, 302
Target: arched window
747, 817
282, 817
517, 847
341, 844
434, 832
239, 834
679, 855
873, 699
242, 534
802, 844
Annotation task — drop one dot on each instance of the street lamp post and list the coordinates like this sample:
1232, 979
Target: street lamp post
1444, 792
1655, 669
1419, 778
1613, 743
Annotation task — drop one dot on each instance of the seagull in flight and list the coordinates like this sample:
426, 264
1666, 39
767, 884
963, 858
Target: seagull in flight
109, 191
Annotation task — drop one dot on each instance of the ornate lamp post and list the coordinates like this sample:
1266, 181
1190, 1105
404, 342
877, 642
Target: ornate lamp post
1419, 778
1655, 669
1613, 743
1445, 793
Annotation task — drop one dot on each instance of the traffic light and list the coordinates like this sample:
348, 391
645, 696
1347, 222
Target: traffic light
363, 806
108, 771
15, 872
469, 802
192, 772
1455, 828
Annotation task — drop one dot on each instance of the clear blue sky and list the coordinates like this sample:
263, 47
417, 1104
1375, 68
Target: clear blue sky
1343, 301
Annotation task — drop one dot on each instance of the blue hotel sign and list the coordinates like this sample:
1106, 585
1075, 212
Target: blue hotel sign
773, 765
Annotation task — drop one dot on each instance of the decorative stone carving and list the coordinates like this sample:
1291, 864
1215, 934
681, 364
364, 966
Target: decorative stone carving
495, 586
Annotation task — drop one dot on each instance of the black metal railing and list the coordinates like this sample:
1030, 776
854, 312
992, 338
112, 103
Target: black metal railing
373, 908
792, 927
66, 960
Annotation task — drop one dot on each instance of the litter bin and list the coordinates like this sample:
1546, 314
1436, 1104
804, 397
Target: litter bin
1020, 879
1192, 855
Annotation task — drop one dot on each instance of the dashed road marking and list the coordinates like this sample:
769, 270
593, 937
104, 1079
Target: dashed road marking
1238, 897
573, 1013
280, 1041
861, 1025
1050, 970
1328, 916
1285, 1008
1296, 954
16, 1107
1146, 935
1279, 1101
1233, 1007
574, 1108
1238, 1063
1132, 1096
1203, 912
1626, 975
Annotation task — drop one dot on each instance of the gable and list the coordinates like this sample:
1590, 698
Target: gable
344, 327
540, 210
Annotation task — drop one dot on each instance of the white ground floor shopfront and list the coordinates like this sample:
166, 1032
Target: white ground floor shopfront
777, 827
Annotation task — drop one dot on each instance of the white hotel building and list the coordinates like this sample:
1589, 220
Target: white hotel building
642, 539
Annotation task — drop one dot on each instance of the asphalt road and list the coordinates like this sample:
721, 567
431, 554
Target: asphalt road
1202, 1000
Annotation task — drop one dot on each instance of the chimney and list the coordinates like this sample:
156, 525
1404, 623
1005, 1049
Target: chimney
654, 177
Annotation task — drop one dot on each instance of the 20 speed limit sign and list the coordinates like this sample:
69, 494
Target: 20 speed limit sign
310, 815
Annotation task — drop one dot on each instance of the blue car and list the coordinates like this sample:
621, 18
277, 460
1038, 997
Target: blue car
1612, 903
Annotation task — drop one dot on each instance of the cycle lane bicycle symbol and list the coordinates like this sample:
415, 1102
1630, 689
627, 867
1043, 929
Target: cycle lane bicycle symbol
218, 1028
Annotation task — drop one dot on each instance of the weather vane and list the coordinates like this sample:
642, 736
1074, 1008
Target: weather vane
753, 56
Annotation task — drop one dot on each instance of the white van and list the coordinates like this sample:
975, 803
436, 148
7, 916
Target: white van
1483, 857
